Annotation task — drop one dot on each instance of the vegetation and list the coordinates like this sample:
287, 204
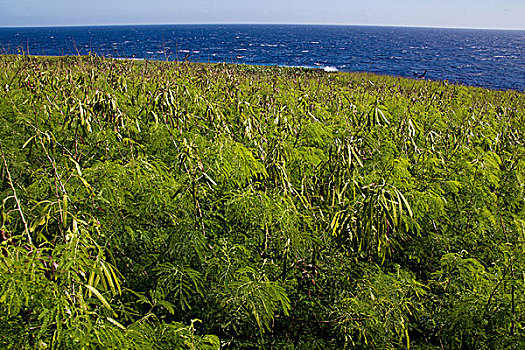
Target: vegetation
156, 205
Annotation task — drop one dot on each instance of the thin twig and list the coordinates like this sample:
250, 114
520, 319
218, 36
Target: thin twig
14, 195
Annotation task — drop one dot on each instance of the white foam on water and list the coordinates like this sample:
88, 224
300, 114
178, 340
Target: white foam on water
330, 69
129, 59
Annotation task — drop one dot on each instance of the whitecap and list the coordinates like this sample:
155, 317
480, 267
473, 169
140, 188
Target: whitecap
129, 59
330, 69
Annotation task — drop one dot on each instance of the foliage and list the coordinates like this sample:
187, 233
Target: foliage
169, 205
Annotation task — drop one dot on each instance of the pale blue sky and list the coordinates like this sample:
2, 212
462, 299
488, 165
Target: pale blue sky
505, 14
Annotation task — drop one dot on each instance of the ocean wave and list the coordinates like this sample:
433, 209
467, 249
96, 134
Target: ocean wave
330, 69
129, 59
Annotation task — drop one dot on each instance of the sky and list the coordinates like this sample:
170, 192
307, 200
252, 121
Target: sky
502, 14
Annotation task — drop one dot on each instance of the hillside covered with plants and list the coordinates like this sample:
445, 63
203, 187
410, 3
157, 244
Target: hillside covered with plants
157, 205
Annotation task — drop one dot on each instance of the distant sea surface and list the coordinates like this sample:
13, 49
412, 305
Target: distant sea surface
488, 58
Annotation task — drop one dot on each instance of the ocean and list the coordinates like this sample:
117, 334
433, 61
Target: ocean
493, 59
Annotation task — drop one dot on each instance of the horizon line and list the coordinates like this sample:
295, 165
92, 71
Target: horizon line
255, 23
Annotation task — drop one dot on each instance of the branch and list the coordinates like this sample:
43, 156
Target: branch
14, 195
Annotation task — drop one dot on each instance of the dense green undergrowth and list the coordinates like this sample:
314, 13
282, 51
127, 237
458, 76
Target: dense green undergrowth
172, 205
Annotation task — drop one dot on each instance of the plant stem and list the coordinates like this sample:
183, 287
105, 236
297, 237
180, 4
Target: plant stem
14, 195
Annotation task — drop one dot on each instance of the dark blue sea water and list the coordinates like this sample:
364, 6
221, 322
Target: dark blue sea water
488, 58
